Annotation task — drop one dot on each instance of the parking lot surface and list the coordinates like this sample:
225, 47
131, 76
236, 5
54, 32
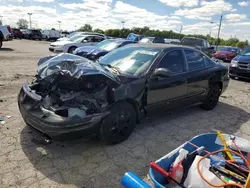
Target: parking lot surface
89, 163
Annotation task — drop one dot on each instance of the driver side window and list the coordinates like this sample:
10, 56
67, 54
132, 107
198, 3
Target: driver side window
89, 39
173, 61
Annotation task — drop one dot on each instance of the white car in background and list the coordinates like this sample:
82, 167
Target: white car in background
5, 34
74, 34
68, 46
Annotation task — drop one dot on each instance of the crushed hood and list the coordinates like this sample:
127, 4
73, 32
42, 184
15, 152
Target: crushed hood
74, 66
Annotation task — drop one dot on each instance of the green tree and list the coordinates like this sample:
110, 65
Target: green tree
99, 31
241, 44
22, 24
86, 27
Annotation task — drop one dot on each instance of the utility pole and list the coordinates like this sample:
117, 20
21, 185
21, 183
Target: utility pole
218, 38
123, 22
181, 29
59, 22
1, 20
30, 18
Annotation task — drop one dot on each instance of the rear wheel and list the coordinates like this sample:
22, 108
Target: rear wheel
1, 43
71, 49
212, 97
119, 124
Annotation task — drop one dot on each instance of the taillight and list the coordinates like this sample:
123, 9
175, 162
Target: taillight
9, 29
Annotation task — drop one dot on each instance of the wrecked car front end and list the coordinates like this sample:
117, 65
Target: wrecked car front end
69, 95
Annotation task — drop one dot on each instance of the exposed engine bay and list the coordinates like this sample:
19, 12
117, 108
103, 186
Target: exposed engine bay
73, 88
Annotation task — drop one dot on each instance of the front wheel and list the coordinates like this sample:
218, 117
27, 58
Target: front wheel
71, 49
212, 97
119, 124
1, 43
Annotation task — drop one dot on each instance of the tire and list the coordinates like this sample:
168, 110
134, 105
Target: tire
71, 49
212, 98
1, 43
119, 124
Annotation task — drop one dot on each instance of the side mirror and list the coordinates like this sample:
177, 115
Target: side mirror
162, 72
84, 41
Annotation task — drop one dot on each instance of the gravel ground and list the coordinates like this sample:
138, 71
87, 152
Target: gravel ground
89, 163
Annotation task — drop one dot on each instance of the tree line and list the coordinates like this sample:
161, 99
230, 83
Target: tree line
146, 31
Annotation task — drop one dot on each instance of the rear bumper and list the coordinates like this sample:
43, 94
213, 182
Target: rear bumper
54, 126
237, 72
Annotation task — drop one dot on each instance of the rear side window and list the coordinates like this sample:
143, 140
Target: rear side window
195, 60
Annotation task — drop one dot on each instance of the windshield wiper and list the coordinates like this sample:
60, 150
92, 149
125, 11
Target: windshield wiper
117, 69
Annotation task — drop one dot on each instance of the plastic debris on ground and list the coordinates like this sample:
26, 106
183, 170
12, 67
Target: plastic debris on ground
42, 151
207, 160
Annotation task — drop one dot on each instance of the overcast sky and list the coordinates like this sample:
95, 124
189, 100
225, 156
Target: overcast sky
194, 15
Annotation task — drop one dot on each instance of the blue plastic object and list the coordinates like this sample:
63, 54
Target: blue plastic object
130, 180
211, 143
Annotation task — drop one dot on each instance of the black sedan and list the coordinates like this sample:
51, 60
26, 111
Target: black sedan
73, 96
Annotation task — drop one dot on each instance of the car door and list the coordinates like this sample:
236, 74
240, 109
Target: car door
198, 72
172, 88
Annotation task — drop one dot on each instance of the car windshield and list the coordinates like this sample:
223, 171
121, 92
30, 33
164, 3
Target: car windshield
246, 51
71, 34
131, 60
78, 39
35, 31
75, 37
146, 40
108, 45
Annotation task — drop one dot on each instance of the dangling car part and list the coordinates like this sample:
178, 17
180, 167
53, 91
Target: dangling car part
74, 96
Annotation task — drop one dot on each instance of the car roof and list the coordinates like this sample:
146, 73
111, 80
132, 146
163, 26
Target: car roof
160, 45
84, 35
193, 38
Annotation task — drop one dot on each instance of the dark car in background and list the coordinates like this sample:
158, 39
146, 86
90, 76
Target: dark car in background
17, 33
33, 34
74, 97
240, 65
152, 40
198, 43
102, 48
226, 53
